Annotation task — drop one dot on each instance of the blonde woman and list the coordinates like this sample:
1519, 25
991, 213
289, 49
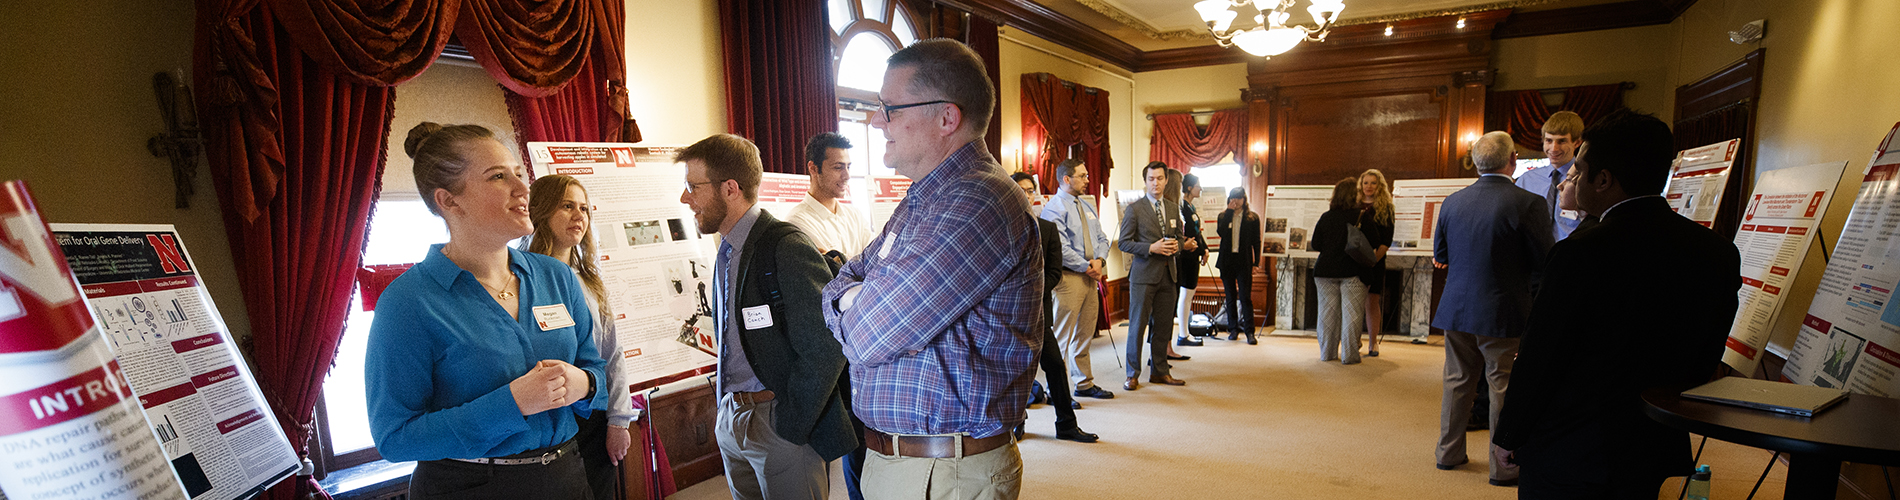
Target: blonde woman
1375, 220
563, 229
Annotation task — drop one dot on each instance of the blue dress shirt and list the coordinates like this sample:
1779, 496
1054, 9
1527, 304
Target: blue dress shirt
442, 352
1543, 182
1060, 209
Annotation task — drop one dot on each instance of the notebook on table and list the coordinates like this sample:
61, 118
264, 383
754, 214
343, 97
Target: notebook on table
1803, 400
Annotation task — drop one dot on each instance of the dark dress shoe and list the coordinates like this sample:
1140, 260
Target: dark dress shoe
1075, 405
1166, 380
1233, 336
1250, 340
1130, 385
1172, 357
1450, 466
1076, 434
1504, 482
1187, 342
1095, 391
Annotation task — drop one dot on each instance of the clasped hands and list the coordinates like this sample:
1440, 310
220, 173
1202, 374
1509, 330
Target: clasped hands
550, 384
1169, 246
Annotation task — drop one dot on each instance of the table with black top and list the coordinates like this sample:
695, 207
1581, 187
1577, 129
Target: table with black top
1862, 429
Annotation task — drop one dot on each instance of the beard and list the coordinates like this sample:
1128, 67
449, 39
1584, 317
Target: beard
710, 217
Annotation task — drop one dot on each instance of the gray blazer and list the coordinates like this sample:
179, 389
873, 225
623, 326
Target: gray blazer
1141, 226
796, 357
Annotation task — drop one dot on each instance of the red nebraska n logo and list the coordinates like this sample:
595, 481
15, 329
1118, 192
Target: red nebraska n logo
168, 256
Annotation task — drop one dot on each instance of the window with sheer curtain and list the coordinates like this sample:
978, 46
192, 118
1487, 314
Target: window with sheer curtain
863, 34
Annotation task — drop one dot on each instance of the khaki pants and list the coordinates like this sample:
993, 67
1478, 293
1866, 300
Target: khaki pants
1468, 357
992, 475
759, 464
1076, 305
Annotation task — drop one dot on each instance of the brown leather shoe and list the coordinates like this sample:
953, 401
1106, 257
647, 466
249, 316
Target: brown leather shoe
1166, 380
1131, 384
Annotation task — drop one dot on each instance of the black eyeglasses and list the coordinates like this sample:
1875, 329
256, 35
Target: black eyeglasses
886, 109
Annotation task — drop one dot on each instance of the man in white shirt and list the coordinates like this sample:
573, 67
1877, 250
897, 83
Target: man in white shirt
1084, 250
830, 224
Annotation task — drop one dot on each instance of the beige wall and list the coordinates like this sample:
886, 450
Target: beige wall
675, 75
450, 92
76, 107
1639, 55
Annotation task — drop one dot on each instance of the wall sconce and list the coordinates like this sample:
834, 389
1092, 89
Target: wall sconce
1015, 158
1259, 152
180, 142
1471, 142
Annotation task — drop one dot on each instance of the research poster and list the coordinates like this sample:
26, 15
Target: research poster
780, 193
886, 194
212, 422
1697, 179
1778, 224
1212, 202
1850, 336
1289, 217
69, 425
656, 264
1415, 209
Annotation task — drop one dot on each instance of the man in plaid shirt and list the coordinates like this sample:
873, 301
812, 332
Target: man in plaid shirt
937, 315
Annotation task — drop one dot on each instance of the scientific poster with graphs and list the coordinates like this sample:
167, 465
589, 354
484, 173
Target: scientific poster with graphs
1289, 218
1415, 209
200, 400
1850, 338
1697, 180
1778, 224
656, 264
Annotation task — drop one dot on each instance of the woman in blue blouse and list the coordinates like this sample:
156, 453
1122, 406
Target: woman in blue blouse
481, 356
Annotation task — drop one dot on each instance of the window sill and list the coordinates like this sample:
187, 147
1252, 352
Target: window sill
368, 480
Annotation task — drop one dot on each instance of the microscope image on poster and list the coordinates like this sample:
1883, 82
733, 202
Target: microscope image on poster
688, 283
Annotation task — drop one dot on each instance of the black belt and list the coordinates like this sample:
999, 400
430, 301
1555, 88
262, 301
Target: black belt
542, 456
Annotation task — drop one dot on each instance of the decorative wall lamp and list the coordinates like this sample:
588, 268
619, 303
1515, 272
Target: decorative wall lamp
180, 142
1270, 36
1259, 151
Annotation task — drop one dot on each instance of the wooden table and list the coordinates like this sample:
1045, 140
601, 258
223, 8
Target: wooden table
1862, 429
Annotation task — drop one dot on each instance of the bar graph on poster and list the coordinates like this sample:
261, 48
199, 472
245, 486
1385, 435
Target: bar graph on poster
1850, 337
1779, 223
1697, 180
656, 263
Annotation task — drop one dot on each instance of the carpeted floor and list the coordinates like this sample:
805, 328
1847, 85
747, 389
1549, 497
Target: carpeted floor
1272, 421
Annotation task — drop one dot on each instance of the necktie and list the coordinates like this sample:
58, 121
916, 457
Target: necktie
1088, 238
1550, 195
722, 265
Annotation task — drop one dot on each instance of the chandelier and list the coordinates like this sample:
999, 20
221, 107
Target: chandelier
1270, 36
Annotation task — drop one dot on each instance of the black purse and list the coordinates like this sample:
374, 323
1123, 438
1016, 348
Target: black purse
1360, 248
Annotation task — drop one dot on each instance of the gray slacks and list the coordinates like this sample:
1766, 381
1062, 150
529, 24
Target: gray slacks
1150, 322
1466, 357
761, 465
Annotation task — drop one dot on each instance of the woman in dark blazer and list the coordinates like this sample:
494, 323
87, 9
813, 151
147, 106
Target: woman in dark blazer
1239, 253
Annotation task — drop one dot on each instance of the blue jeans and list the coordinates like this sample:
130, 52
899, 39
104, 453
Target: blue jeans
1342, 316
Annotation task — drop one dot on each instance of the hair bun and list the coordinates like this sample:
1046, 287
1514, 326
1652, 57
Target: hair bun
417, 135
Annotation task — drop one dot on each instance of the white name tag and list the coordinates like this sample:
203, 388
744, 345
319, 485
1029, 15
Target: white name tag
757, 317
1570, 214
884, 251
552, 316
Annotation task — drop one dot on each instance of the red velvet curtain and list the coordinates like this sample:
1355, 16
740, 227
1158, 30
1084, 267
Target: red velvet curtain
593, 107
1048, 126
1091, 133
296, 152
1522, 112
780, 89
533, 47
1183, 145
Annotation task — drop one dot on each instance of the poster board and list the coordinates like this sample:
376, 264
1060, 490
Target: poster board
655, 263
780, 193
1778, 226
1288, 219
1698, 178
1850, 337
199, 398
1209, 205
1415, 212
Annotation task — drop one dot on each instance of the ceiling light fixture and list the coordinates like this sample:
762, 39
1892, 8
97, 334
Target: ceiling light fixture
1461, 23
1270, 36
1388, 30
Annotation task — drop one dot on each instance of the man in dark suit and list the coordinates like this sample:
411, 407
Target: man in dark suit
1642, 299
1151, 234
1054, 368
1492, 237
782, 413
1239, 252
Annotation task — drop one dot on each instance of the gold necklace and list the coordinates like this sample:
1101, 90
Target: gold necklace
504, 293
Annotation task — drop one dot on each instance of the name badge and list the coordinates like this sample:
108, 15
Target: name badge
884, 251
757, 317
1570, 214
552, 316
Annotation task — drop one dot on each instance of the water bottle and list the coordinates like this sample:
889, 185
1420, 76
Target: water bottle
1698, 484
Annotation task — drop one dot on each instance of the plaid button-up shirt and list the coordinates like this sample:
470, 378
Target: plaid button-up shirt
941, 336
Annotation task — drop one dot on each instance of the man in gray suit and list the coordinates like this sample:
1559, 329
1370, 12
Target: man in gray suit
1151, 234
1491, 237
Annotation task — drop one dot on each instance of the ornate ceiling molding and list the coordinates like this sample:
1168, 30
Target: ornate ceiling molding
1131, 22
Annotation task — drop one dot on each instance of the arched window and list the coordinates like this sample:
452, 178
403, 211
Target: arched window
863, 34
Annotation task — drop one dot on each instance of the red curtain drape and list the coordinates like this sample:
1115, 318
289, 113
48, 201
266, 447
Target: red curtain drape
1048, 125
1183, 145
1091, 133
1522, 112
300, 238
591, 108
533, 47
780, 89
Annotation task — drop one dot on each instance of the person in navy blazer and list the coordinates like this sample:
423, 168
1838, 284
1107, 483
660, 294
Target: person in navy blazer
1651, 294
1492, 238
